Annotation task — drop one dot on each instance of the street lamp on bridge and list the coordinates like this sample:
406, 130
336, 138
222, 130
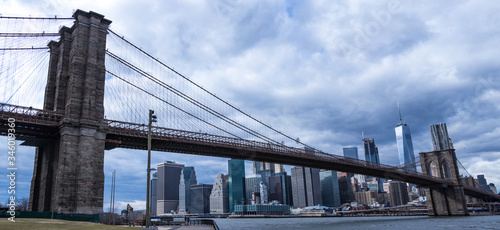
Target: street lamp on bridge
152, 118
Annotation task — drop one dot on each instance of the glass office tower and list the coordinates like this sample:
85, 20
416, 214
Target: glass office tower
236, 182
405, 147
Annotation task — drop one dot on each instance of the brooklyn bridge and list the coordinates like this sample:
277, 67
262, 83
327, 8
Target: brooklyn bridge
71, 131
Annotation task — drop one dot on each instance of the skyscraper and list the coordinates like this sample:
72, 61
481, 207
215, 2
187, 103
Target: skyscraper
330, 193
187, 178
481, 181
280, 188
351, 152
236, 169
252, 184
371, 155
440, 138
345, 188
258, 166
167, 190
371, 151
306, 187
398, 191
405, 145
199, 198
153, 198
219, 197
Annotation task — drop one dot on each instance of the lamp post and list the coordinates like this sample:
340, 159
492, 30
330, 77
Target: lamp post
152, 118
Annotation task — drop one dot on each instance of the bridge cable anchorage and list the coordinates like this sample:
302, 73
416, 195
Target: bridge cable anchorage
176, 107
191, 100
210, 93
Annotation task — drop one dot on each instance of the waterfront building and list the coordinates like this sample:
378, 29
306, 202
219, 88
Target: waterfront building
236, 182
187, 178
351, 152
440, 138
306, 187
199, 198
167, 187
265, 174
262, 209
152, 194
330, 193
371, 155
405, 145
252, 184
219, 197
398, 193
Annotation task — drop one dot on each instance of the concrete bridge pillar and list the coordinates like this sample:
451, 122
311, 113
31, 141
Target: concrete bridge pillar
444, 200
68, 172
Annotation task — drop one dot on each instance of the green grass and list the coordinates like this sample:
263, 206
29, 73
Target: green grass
30, 224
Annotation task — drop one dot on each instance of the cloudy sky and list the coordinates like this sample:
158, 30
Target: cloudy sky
322, 71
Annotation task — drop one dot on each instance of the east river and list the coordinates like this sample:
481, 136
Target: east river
376, 222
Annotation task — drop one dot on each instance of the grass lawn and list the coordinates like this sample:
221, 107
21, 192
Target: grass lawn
30, 224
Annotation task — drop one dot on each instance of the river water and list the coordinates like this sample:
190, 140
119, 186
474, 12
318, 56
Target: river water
376, 222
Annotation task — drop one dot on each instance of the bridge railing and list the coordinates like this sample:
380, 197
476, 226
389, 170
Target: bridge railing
30, 114
140, 130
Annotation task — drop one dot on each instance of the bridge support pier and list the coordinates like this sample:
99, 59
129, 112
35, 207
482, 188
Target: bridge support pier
68, 173
444, 200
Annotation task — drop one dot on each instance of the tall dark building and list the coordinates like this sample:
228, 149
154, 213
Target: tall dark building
153, 199
398, 192
440, 138
306, 187
280, 188
199, 198
371, 151
236, 182
167, 190
371, 155
345, 188
188, 178
330, 192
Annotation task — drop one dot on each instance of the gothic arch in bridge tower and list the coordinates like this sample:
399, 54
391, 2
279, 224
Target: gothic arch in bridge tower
444, 200
433, 169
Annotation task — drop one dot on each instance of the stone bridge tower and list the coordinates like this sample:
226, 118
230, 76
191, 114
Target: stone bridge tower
68, 171
444, 200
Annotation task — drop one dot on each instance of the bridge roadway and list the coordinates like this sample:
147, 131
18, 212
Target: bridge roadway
36, 126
